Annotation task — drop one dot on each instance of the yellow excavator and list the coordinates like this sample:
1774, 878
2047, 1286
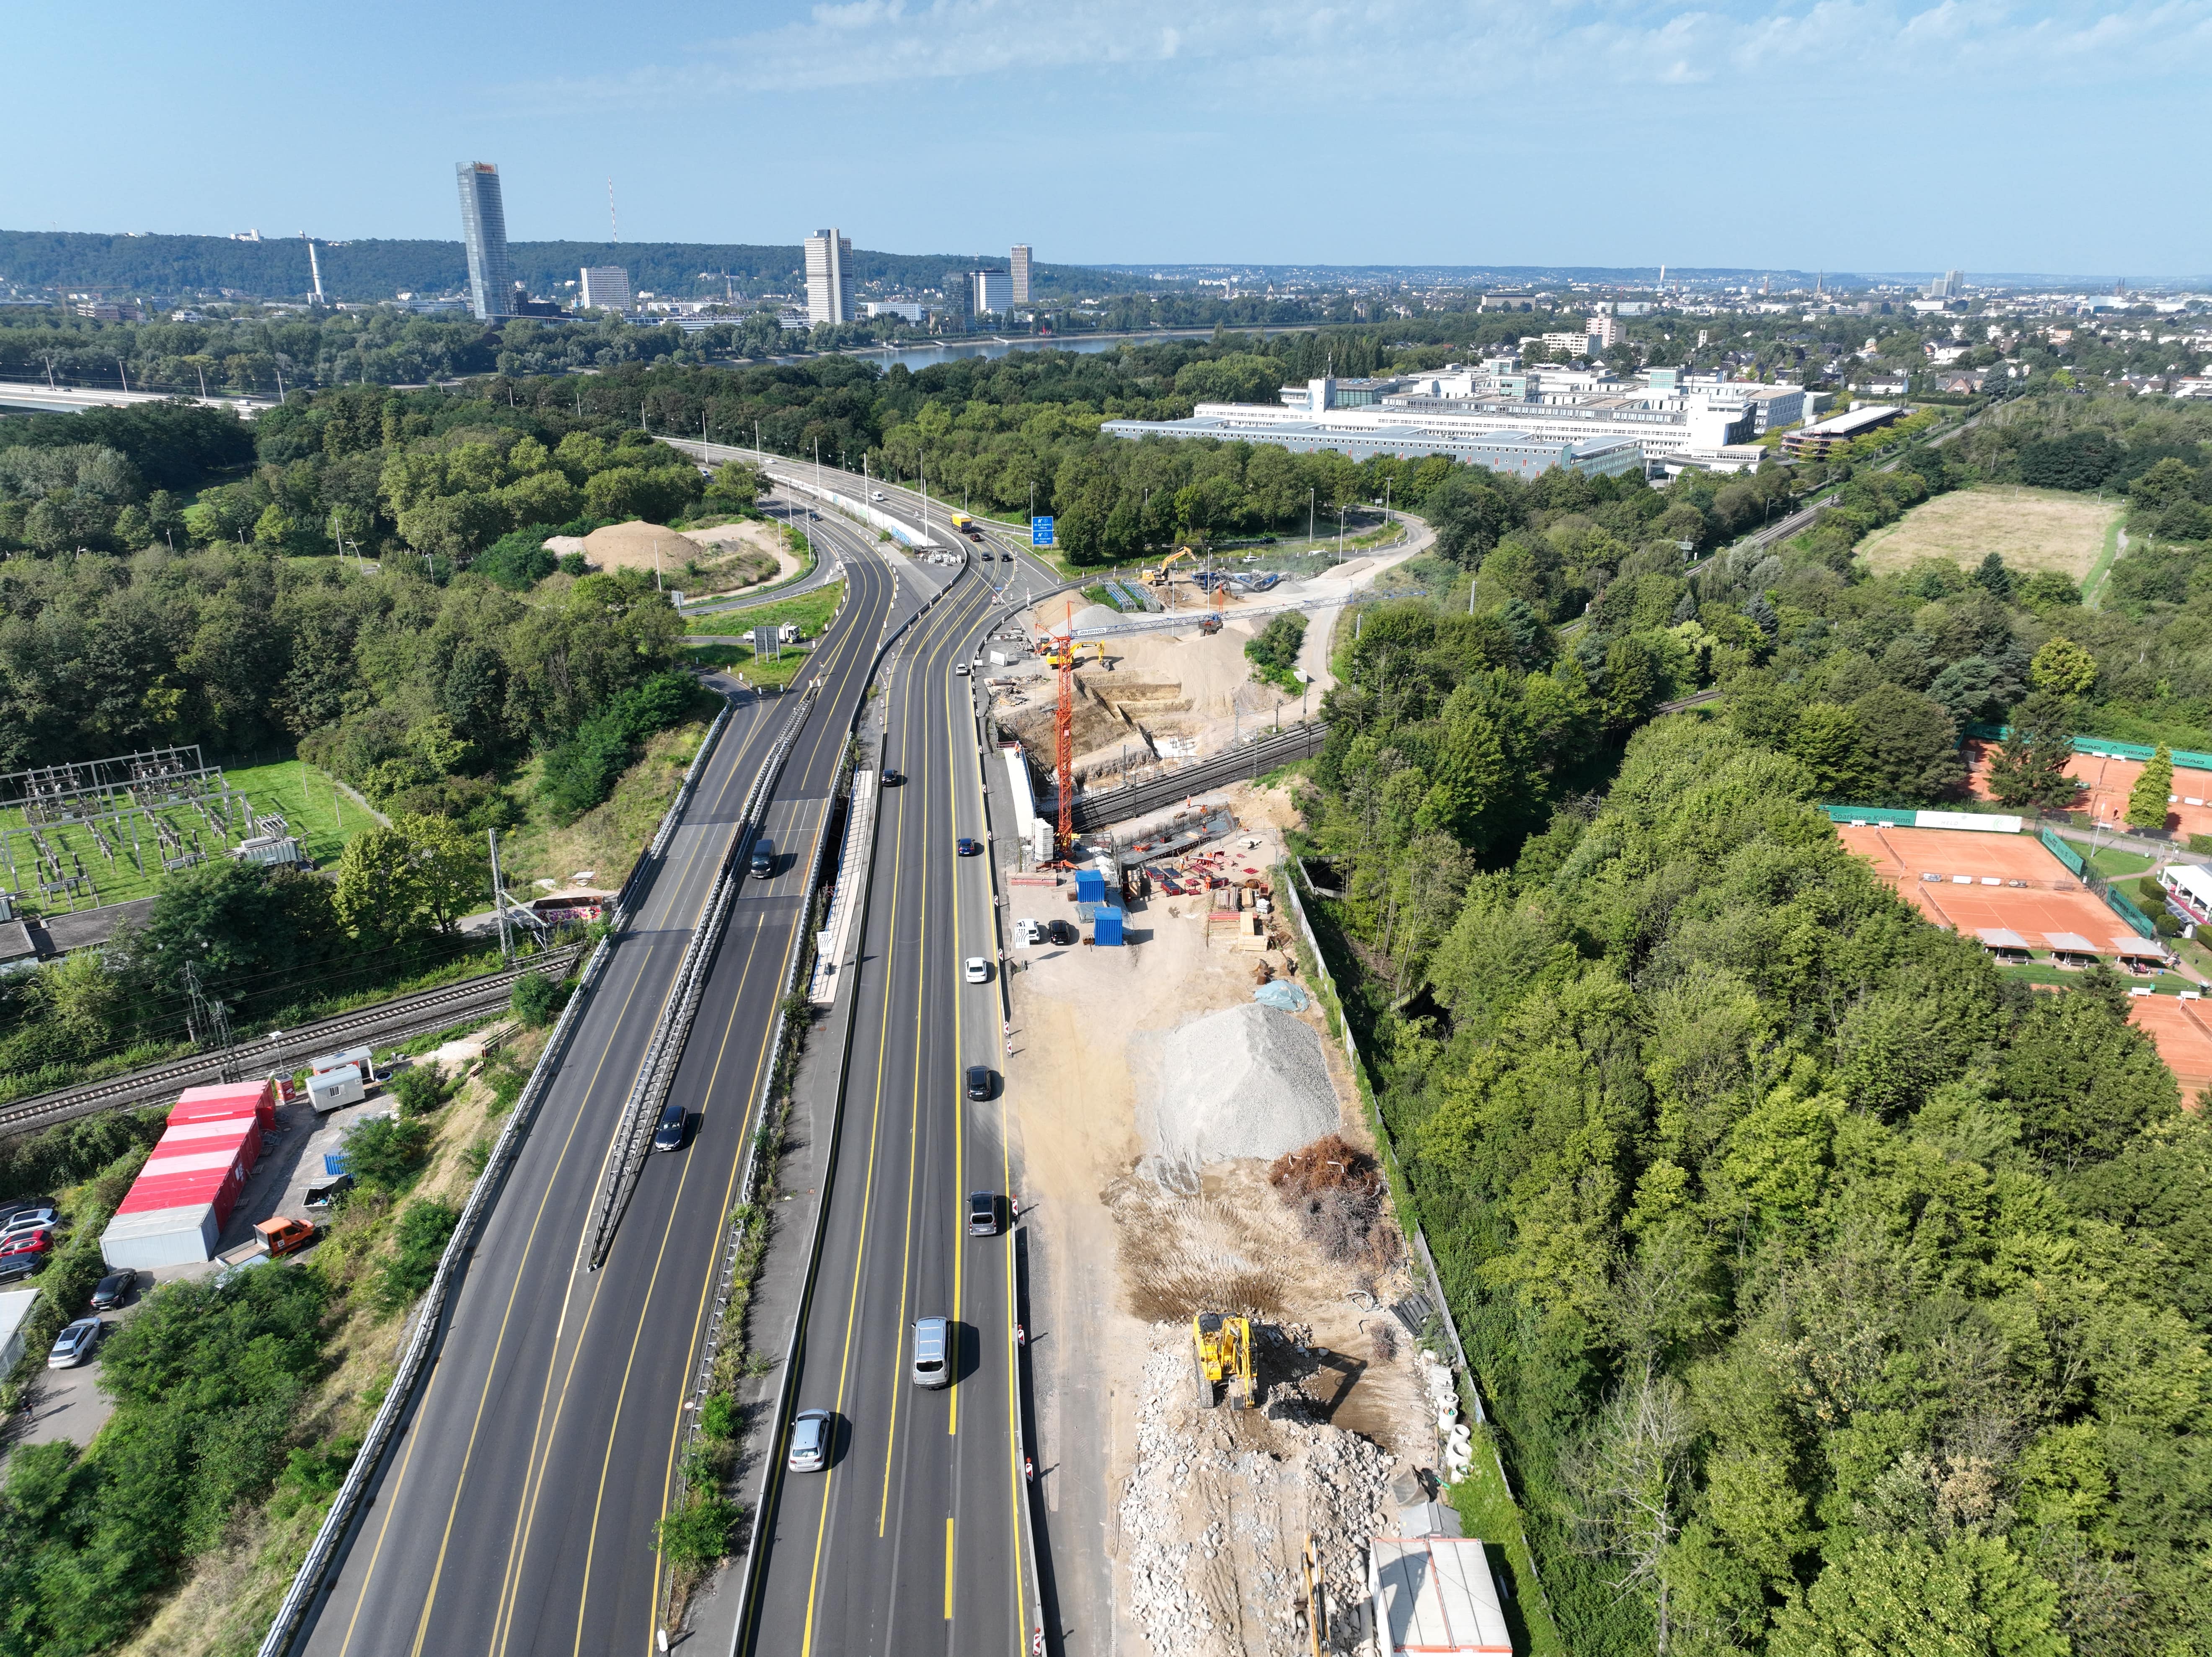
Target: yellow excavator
1158, 578
1224, 1360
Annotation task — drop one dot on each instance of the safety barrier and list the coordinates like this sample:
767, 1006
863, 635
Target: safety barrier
2065, 854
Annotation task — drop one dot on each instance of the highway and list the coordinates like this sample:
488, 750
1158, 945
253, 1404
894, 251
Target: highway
515, 1512
917, 1531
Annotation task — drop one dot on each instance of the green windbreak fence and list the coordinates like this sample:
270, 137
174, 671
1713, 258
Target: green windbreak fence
2065, 854
2105, 746
2128, 911
1882, 814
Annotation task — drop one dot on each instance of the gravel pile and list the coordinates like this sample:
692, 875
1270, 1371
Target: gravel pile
1215, 1512
1249, 1081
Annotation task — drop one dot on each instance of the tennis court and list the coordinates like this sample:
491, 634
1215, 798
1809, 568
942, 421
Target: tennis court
2183, 1031
2105, 780
2004, 889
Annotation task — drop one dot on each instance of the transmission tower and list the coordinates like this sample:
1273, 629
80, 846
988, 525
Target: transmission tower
209, 1024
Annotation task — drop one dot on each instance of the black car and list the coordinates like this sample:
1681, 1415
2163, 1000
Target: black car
1061, 933
979, 1082
982, 1214
114, 1289
669, 1136
893, 779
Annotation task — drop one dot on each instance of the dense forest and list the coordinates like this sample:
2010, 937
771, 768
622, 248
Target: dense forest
1835, 1292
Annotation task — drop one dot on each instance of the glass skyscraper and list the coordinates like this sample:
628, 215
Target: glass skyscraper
483, 228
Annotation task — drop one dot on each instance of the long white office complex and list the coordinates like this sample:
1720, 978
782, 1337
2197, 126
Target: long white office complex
1499, 415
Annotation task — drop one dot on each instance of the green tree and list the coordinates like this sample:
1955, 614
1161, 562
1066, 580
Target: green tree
1898, 1597
1910, 745
2148, 801
2030, 766
535, 1000
2063, 667
1826, 742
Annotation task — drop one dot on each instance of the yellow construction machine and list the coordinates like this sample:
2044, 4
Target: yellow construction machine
1158, 578
1224, 1360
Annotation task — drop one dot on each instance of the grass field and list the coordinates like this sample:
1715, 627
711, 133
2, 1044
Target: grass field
317, 815
810, 610
2030, 529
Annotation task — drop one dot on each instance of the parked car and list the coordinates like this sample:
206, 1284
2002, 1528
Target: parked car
669, 1136
1062, 933
977, 970
982, 1214
29, 1244
75, 1344
812, 1431
113, 1290
34, 1214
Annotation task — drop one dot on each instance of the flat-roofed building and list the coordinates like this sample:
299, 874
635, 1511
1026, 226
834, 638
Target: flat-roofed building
603, 288
1814, 442
1524, 454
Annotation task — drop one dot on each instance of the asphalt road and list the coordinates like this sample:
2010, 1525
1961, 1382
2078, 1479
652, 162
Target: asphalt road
913, 1538
516, 1511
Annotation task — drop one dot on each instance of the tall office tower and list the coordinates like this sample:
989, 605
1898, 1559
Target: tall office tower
829, 277
483, 228
989, 292
1021, 264
603, 288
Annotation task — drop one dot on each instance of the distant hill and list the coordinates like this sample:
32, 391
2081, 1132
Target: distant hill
278, 268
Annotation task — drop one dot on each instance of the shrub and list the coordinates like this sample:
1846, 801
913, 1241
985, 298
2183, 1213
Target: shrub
420, 1089
718, 1417
384, 1155
535, 1000
697, 1534
517, 560
420, 1238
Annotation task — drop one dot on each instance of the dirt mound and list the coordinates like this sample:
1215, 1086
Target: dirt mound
634, 544
1247, 1080
1218, 1508
1336, 1190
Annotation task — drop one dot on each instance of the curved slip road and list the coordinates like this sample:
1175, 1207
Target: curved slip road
516, 1511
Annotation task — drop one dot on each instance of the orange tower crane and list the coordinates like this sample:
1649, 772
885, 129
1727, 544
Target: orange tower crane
1063, 740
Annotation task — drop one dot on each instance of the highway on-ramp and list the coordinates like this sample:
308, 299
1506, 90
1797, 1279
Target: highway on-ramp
516, 1511
916, 1537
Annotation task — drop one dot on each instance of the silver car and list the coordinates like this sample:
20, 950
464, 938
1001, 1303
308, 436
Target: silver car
933, 1352
75, 1344
811, 1433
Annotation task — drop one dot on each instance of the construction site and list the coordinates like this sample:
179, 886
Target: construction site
1164, 679
1244, 1407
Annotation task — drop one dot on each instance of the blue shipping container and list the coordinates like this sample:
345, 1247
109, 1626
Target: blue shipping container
1106, 929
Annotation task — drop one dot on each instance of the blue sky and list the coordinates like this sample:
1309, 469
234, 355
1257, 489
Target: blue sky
1844, 134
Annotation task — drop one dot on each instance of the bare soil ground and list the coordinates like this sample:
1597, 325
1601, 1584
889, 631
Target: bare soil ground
2031, 529
1122, 1264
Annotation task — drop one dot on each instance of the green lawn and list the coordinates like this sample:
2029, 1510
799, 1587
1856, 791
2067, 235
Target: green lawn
320, 819
810, 610
738, 660
2116, 865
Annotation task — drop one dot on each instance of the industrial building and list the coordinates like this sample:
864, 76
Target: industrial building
483, 232
1814, 441
1497, 414
829, 277
603, 288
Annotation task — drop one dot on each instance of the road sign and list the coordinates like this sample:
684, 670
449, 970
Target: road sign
1040, 532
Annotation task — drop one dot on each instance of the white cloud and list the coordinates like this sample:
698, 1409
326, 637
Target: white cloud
1395, 49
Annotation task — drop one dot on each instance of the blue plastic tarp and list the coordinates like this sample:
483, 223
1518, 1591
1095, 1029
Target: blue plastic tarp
1282, 995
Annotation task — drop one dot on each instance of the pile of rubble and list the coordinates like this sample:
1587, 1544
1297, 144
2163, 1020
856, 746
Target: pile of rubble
1216, 1513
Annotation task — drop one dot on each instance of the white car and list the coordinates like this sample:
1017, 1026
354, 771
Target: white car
978, 970
75, 1344
877, 495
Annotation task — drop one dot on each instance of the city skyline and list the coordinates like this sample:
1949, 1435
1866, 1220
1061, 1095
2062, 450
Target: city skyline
1753, 101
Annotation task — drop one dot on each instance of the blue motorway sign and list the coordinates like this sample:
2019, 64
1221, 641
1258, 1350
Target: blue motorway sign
1040, 532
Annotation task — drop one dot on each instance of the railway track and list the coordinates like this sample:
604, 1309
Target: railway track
387, 1021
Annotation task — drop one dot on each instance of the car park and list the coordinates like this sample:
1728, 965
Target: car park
113, 1290
982, 1214
933, 1352
668, 1135
979, 1081
811, 1433
75, 1344
967, 847
977, 970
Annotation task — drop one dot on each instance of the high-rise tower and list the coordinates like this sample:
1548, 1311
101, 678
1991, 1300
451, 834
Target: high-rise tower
483, 228
829, 277
1021, 272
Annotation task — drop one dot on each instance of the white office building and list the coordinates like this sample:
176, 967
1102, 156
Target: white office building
1020, 262
913, 313
603, 288
990, 292
829, 277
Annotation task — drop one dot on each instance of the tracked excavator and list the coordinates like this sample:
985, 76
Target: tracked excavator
1224, 1360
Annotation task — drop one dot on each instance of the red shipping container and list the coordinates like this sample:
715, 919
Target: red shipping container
198, 1104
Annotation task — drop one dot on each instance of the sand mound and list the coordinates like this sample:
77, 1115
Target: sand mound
632, 546
1247, 1080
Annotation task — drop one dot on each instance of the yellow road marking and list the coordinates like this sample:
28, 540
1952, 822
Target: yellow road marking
948, 1567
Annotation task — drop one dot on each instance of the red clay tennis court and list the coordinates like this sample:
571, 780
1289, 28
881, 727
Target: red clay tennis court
2104, 784
2006, 889
2183, 1030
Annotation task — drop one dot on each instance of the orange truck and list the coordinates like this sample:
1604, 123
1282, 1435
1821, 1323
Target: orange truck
271, 1239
